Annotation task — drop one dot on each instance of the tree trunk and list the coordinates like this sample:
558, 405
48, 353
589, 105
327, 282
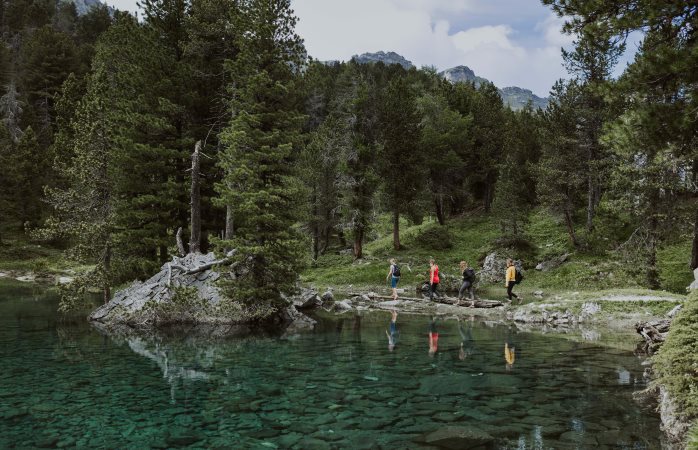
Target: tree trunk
570, 228
180, 243
229, 230
315, 227
106, 289
358, 242
439, 205
694, 250
590, 203
396, 230
195, 238
489, 193
342, 239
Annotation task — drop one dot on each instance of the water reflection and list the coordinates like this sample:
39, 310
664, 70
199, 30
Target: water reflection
336, 387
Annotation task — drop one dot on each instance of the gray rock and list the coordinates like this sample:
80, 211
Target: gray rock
590, 308
342, 306
328, 297
674, 311
538, 294
458, 437
309, 300
552, 263
494, 268
694, 285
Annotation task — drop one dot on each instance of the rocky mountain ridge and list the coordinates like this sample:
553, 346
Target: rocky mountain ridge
513, 96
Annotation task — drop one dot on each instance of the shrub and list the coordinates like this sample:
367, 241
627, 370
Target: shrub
434, 237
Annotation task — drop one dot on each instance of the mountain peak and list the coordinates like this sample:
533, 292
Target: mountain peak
460, 74
386, 58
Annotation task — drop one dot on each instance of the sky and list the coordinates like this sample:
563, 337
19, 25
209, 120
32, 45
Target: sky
509, 42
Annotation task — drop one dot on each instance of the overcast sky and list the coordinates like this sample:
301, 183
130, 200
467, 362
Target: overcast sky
510, 42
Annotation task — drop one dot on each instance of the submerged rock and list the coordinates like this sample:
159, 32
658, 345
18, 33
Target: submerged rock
461, 437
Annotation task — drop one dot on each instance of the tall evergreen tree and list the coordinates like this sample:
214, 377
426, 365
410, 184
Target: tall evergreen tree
561, 172
401, 163
261, 147
446, 138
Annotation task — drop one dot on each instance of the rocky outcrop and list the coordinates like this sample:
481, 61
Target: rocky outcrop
386, 58
673, 425
186, 291
462, 74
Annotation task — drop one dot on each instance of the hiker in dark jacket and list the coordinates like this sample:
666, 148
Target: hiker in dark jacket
468, 279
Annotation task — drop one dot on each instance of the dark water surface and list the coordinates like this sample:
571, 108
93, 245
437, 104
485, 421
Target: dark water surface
63, 384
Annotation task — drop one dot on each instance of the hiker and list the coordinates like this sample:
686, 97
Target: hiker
433, 338
510, 279
433, 279
468, 279
466, 336
393, 276
394, 334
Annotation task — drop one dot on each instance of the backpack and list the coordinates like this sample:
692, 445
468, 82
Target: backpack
518, 278
469, 275
396, 271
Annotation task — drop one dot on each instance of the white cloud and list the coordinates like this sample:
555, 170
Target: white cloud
421, 31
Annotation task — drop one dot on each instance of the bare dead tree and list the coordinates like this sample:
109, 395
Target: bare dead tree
195, 238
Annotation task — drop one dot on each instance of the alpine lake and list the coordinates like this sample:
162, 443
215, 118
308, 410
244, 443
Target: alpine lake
65, 383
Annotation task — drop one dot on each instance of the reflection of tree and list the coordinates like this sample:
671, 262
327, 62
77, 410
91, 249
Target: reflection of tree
182, 357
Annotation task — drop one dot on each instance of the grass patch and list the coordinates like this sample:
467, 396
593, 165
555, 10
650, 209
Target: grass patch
674, 272
677, 361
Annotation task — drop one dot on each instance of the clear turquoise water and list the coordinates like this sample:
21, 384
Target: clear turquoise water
64, 384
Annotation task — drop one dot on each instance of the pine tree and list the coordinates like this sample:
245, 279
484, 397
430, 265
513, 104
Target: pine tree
445, 137
400, 161
117, 200
47, 59
561, 172
261, 147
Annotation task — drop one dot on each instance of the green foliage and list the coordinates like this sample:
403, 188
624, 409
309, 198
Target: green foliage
261, 147
674, 272
434, 237
676, 363
185, 306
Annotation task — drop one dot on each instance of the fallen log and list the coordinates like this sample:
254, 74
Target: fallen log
445, 300
654, 334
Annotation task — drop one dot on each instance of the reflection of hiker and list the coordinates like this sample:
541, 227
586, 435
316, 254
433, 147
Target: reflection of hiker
509, 351
394, 334
468, 280
433, 337
510, 280
393, 276
433, 279
466, 336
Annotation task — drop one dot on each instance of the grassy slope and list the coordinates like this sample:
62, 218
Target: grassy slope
19, 254
473, 237
677, 363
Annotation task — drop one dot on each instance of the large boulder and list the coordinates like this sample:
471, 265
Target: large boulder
694, 285
307, 299
458, 437
494, 268
185, 291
